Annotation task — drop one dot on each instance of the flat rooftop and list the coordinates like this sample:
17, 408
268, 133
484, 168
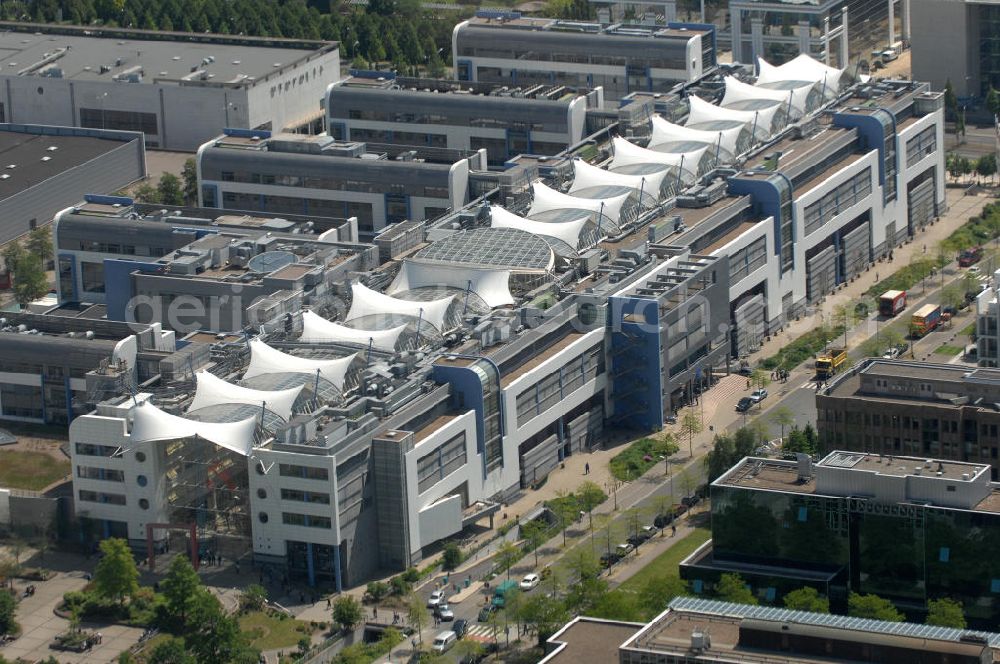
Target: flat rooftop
30, 159
726, 623
161, 56
540, 357
514, 20
437, 87
590, 641
900, 466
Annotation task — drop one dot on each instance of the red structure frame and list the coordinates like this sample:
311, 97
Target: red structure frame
151, 554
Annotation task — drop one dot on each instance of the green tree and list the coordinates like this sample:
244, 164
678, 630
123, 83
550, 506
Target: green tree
993, 101
347, 612
377, 591
658, 592
533, 533
783, 417
721, 457
807, 599
417, 614
169, 189
116, 576
616, 605
986, 166
7, 609
213, 636
732, 588
873, 607
590, 496
180, 588
170, 651
946, 612
39, 243
189, 175
451, 556
506, 556
468, 650
253, 598
146, 193
690, 425
566, 511
543, 615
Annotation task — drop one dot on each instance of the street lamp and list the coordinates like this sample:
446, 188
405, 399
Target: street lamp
100, 98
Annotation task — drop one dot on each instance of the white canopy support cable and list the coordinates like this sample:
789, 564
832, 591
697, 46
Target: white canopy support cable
668, 132
212, 391
490, 284
795, 99
545, 198
759, 122
567, 231
627, 153
315, 328
588, 176
367, 302
150, 424
802, 68
266, 360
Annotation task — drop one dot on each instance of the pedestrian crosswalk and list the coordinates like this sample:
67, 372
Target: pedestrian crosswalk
482, 633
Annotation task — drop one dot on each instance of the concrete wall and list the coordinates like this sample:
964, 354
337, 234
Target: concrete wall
944, 45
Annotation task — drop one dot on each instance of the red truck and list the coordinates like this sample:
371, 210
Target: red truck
891, 302
970, 257
924, 320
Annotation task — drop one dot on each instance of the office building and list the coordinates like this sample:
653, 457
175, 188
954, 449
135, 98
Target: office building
988, 325
506, 121
46, 361
943, 411
47, 168
838, 32
507, 49
957, 42
195, 268
178, 89
909, 529
315, 175
703, 631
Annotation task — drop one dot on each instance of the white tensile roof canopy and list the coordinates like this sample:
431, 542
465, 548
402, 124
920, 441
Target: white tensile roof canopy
668, 132
588, 176
627, 153
491, 284
567, 231
703, 111
267, 360
212, 391
795, 100
318, 329
545, 198
367, 302
802, 68
150, 424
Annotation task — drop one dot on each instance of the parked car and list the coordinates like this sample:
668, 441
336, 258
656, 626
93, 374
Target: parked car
891, 354
744, 404
460, 627
436, 598
444, 612
530, 581
485, 613
624, 549
609, 558
691, 501
444, 641
649, 531
974, 270
758, 395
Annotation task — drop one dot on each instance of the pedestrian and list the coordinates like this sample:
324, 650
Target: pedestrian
375, 612
748, 383
876, 276
328, 602
413, 643
586, 469
673, 530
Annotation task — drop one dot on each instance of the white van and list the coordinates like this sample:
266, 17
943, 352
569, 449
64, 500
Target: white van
444, 641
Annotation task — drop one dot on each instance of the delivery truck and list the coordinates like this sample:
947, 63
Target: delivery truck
892, 302
925, 320
829, 362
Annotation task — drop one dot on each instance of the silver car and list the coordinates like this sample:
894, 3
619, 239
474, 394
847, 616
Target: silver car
444, 612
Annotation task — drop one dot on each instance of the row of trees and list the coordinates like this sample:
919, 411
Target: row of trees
957, 165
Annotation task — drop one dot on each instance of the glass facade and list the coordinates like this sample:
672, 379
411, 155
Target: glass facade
907, 553
989, 47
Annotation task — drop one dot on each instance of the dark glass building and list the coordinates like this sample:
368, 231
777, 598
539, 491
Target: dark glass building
904, 528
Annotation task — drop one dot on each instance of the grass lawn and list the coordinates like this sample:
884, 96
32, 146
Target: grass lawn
34, 471
667, 563
968, 329
640, 456
948, 349
268, 632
